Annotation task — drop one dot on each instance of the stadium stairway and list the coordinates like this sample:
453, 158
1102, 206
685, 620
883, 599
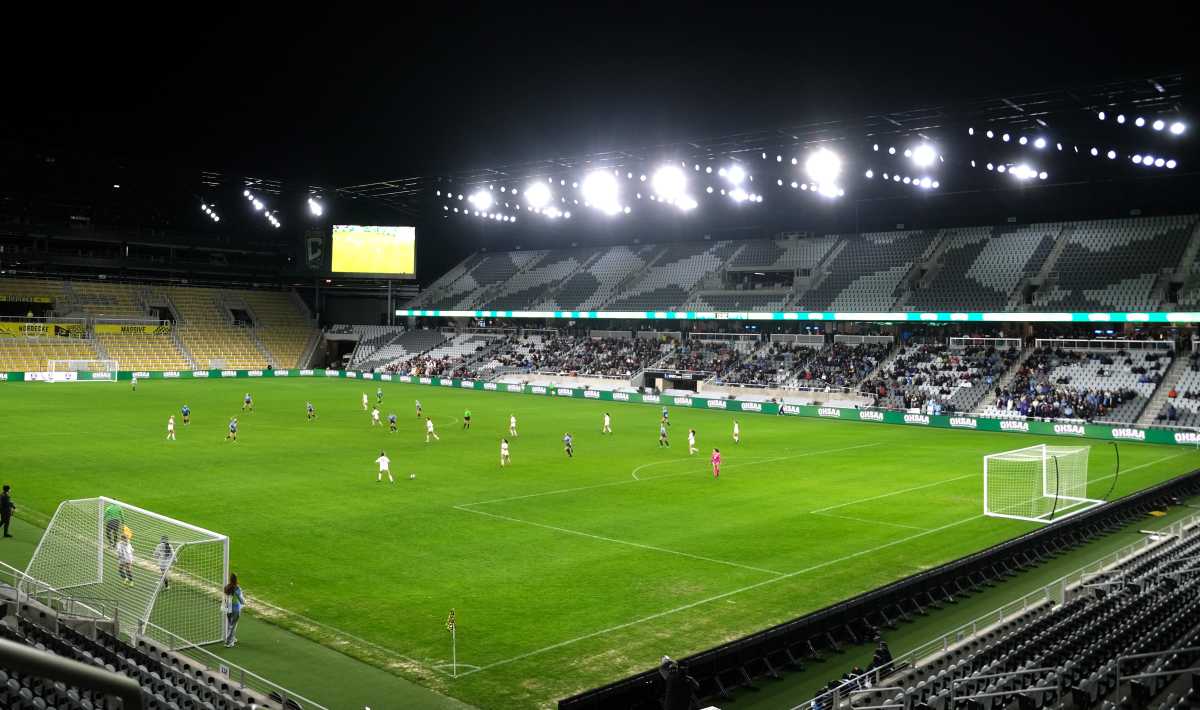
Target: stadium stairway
1171, 378
1005, 380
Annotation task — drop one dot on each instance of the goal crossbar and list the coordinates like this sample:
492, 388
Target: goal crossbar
68, 370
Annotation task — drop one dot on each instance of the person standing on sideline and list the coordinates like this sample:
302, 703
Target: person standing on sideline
237, 600
384, 467
163, 554
125, 560
6, 508
716, 463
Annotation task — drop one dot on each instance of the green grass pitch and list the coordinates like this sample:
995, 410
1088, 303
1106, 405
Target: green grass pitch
564, 573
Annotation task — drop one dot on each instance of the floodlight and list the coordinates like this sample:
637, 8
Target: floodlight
738, 195
245, 193
870, 174
1023, 172
1137, 159
1120, 118
823, 166
795, 184
991, 135
1023, 140
1001, 168
1039, 143
924, 155
1112, 155
709, 189
735, 174
989, 166
1101, 115
686, 204
926, 183
258, 206
482, 199
1159, 162
830, 190
601, 191
1170, 164
1159, 125
891, 150
906, 180
669, 182
627, 210
538, 195
1043, 175
936, 184
970, 131
1139, 122
708, 170
1095, 151
1177, 128
315, 207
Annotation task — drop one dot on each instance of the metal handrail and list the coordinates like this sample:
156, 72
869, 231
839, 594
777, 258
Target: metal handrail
24, 659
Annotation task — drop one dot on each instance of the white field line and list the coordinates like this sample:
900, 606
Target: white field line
789, 575
893, 493
651, 478
871, 522
723, 595
620, 542
752, 462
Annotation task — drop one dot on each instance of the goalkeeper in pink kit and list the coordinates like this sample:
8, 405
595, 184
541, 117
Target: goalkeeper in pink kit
716, 463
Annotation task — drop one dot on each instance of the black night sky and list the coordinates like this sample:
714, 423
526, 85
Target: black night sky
342, 95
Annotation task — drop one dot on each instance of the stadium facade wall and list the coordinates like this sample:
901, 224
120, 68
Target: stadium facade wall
1104, 432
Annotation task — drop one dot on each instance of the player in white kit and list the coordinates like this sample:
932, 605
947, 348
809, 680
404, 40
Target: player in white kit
692, 442
512, 425
375, 417
384, 467
364, 401
504, 458
429, 430
607, 424
737, 432
171, 427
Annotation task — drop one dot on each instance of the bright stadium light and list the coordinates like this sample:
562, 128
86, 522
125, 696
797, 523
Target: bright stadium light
823, 166
1101, 115
924, 155
1137, 159
870, 174
669, 183
1178, 128
315, 208
1171, 164
990, 134
482, 199
738, 195
1023, 172
735, 174
600, 191
1139, 122
1120, 118
1023, 140
258, 206
1039, 143
1112, 155
538, 195
1159, 124
1159, 162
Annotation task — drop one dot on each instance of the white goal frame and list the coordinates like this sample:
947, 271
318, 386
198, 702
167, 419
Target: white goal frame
1048, 492
176, 600
68, 370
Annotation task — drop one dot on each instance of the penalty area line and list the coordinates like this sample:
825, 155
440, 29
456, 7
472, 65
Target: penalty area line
871, 522
629, 543
724, 595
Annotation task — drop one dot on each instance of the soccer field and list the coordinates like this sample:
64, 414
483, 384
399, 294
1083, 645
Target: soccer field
564, 573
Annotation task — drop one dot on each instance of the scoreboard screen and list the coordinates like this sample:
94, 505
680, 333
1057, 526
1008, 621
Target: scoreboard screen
382, 251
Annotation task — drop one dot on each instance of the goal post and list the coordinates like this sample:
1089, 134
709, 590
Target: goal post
1038, 483
70, 370
176, 587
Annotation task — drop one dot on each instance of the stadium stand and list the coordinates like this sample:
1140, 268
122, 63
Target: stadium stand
1183, 405
1125, 639
867, 271
1115, 264
208, 332
528, 289
980, 268
783, 254
840, 365
32, 354
143, 351
668, 281
951, 380
595, 285
286, 331
403, 347
370, 339
480, 282
1082, 382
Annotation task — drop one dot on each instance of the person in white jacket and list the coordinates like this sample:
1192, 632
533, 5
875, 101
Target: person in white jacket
125, 560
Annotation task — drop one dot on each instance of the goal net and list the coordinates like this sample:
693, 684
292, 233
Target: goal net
73, 370
172, 591
1037, 483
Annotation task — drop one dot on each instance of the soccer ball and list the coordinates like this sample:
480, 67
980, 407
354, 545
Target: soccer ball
411, 476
